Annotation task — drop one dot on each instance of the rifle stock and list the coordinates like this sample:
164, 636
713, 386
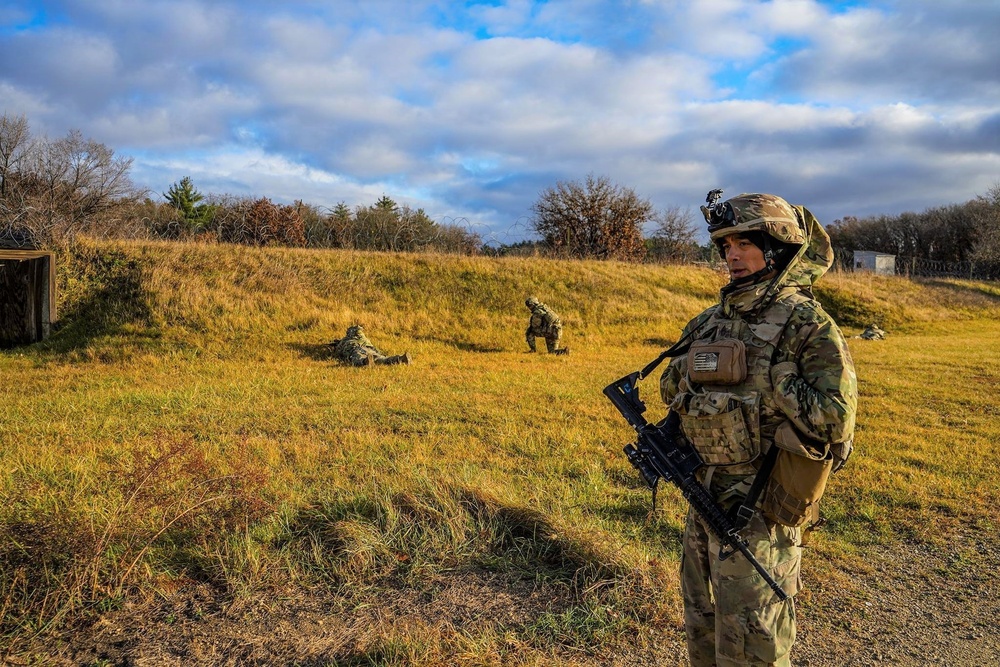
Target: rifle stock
663, 452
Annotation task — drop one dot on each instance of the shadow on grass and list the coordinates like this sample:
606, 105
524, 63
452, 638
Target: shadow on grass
314, 351
369, 538
109, 299
475, 347
850, 309
464, 346
628, 478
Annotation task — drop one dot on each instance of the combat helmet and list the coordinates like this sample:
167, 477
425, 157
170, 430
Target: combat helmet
532, 302
752, 212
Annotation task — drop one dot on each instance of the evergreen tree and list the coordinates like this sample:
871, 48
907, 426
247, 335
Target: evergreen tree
184, 198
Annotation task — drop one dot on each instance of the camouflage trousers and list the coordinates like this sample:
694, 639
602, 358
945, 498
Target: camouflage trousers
552, 339
360, 357
731, 616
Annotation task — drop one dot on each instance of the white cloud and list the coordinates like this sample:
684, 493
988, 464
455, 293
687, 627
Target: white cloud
791, 17
917, 52
851, 108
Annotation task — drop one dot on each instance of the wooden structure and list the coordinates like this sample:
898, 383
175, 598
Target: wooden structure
27, 296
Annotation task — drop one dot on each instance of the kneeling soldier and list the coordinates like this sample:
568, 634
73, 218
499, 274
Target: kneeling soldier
545, 323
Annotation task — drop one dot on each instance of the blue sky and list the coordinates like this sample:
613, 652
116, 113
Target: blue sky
470, 110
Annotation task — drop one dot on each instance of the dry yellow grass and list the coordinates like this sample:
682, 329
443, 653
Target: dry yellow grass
186, 423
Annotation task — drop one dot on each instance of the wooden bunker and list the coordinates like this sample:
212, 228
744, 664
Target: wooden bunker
27, 296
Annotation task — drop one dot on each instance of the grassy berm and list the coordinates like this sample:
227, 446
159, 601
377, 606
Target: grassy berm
189, 479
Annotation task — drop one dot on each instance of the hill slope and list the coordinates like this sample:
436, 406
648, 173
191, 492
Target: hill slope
209, 294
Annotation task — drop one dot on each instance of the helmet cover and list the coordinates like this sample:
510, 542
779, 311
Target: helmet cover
753, 212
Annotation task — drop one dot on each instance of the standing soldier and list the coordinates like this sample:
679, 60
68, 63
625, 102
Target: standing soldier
545, 323
767, 369
356, 350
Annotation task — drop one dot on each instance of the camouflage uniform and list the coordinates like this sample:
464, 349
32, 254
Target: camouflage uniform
545, 323
799, 379
355, 349
872, 332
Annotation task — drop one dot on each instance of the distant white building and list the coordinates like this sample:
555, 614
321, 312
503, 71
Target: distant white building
880, 263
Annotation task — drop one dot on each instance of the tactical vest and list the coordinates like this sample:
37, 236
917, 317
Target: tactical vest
728, 412
543, 321
347, 347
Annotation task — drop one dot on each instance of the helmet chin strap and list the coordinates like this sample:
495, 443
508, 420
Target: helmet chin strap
756, 276
752, 278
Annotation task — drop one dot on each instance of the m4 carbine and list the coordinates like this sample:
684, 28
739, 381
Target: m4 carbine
663, 452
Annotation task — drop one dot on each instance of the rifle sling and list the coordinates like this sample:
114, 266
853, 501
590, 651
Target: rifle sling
675, 350
746, 509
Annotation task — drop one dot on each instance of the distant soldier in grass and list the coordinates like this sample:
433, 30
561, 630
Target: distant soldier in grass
872, 332
544, 323
766, 385
356, 350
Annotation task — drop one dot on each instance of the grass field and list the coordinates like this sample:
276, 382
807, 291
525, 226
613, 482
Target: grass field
185, 433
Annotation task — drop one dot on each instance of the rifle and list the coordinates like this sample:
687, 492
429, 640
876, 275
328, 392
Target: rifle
663, 452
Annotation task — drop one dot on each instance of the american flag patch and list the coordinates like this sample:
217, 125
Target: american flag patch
706, 361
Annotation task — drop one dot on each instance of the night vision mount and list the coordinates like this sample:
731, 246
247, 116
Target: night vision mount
717, 215
713, 198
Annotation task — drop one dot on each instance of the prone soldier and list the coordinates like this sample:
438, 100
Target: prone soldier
356, 350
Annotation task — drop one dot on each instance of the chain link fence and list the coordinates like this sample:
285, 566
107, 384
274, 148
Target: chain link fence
918, 267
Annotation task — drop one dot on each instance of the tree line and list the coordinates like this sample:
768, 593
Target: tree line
52, 190
966, 235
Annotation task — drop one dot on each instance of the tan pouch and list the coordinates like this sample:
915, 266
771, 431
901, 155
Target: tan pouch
795, 488
722, 362
716, 426
788, 437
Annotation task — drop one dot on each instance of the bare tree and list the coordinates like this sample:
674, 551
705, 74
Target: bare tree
15, 147
987, 221
97, 178
674, 240
452, 238
62, 187
15, 141
595, 219
258, 222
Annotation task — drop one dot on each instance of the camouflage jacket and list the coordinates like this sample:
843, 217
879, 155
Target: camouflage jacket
799, 369
355, 341
544, 321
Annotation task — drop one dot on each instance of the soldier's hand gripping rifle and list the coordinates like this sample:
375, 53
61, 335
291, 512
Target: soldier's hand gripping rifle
663, 452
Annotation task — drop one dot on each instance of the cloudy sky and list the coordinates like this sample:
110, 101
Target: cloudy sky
470, 109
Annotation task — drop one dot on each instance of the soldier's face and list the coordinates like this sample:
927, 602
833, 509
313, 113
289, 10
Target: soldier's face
742, 257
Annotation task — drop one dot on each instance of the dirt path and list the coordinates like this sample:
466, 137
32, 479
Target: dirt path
917, 605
